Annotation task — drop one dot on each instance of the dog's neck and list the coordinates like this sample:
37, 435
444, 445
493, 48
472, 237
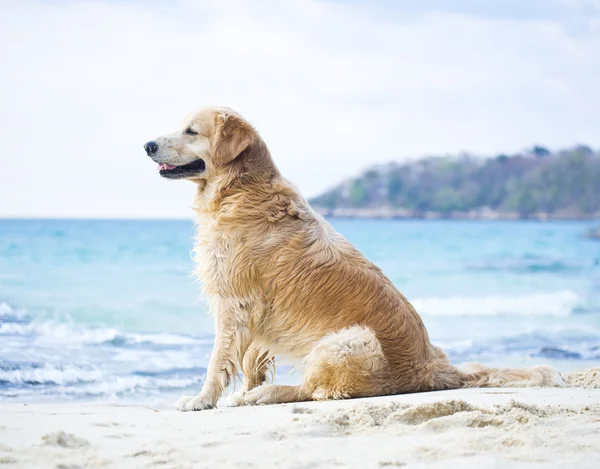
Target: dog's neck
251, 168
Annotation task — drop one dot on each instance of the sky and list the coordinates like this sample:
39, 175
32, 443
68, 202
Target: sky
333, 88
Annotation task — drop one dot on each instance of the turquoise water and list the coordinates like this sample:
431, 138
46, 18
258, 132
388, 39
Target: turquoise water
109, 309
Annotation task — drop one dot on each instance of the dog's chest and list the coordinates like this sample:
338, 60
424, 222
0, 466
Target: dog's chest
221, 263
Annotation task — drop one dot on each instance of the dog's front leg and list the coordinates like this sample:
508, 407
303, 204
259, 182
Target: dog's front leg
229, 322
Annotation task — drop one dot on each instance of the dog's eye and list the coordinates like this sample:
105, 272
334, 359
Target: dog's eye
190, 131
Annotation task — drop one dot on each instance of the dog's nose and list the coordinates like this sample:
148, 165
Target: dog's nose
151, 148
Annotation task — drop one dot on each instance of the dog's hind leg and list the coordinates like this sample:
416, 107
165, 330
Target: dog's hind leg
345, 364
348, 363
270, 394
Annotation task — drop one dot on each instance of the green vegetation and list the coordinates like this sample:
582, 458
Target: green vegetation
537, 183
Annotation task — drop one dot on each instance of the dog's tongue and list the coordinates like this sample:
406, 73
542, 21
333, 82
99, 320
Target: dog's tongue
166, 166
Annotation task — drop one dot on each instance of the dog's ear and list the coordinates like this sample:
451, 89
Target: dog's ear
232, 136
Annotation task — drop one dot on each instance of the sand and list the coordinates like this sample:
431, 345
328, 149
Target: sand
547, 427
585, 379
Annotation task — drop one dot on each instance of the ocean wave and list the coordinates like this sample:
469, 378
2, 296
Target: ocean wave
8, 314
557, 345
5, 309
46, 359
35, 374
86, 382
51, 332
561, 303
564, 353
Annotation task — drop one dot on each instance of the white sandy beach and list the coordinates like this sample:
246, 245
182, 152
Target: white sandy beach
550, 427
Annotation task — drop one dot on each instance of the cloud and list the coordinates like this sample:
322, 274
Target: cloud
332, 87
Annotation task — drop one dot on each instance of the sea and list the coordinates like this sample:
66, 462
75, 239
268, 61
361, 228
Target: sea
109, 310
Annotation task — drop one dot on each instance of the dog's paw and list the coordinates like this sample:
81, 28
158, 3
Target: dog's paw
236, 399
191, 403
255, 396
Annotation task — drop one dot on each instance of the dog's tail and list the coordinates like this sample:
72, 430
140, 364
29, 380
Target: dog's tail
480, 376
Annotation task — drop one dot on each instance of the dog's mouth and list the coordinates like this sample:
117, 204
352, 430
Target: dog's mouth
184, 171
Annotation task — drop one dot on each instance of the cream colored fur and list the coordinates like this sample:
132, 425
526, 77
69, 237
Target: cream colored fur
281, 281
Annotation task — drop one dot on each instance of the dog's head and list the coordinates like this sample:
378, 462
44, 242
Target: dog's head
209, 140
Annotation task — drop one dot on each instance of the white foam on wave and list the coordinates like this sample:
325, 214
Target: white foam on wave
7, 312
561, 303
55, 332
50, 332
79, 381
5, 309
50, 375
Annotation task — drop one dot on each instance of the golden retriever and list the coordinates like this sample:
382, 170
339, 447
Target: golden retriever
281, 281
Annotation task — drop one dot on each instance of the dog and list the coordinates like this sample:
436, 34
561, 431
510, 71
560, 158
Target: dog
281, 281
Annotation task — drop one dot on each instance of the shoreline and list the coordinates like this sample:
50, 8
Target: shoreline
473, 428
475, 215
